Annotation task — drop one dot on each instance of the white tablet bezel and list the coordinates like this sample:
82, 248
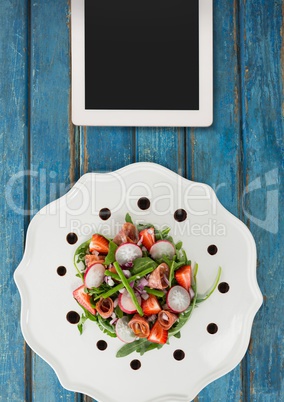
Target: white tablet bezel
160, 118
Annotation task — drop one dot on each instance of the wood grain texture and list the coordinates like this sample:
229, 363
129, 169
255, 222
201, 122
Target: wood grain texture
215, 152
51, 151
13, 150
106, 148
161, 145
262, 84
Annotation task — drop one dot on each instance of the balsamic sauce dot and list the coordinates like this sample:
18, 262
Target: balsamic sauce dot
73, 317
212, 328
61, 270
72, 238
223, 287
212, 250
180, 215
179, 354
104, 214
143, 203
135, 364
101, 345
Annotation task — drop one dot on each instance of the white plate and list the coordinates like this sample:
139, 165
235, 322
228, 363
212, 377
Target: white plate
47, 297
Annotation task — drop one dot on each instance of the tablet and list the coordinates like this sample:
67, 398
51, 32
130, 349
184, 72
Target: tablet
142, 62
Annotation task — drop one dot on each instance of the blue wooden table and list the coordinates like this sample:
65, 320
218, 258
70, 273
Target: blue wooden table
241, 156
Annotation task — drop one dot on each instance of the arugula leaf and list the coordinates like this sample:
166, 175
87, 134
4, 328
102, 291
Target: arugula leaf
140, 346
183, 318
106, 327
162, 234
202, 298
82, 321
110, 258
98, 291
79, 256
118, 312
149, 346
179, 245
86, 315
130, 347
142, 263
128, 218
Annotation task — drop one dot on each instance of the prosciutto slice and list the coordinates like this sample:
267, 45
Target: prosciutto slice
167, 319
127, 234
91, 259
139, 326
159, 277
105, 307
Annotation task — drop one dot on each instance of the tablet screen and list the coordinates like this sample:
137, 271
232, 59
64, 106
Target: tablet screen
142, 54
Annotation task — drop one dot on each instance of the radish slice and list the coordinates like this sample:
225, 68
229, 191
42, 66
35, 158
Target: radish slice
162, 247
94, 276
127, 253
123, 332
178, 299
126, 304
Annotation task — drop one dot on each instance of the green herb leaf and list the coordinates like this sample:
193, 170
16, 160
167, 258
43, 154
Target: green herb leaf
130, 347
162, 234
106, 327
81, 323
142, 263
110, 258
128, 218
118, 312
79, 256
179, 245
142, 226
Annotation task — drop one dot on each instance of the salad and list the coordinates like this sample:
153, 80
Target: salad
138, 286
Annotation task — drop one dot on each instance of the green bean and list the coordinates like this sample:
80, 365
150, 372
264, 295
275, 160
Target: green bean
128, 288
112, 275
171, 274
156, 292
120, 286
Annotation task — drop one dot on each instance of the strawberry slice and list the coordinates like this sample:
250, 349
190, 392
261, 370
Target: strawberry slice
183, 276
83, 299
99, 243
151, 306
147, 237
158, 334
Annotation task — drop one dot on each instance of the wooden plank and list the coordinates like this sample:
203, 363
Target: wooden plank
106, 148
52, 139
214, 152
165, 146
262, 51
13, 161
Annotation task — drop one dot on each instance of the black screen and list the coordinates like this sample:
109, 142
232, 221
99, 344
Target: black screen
141, 54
